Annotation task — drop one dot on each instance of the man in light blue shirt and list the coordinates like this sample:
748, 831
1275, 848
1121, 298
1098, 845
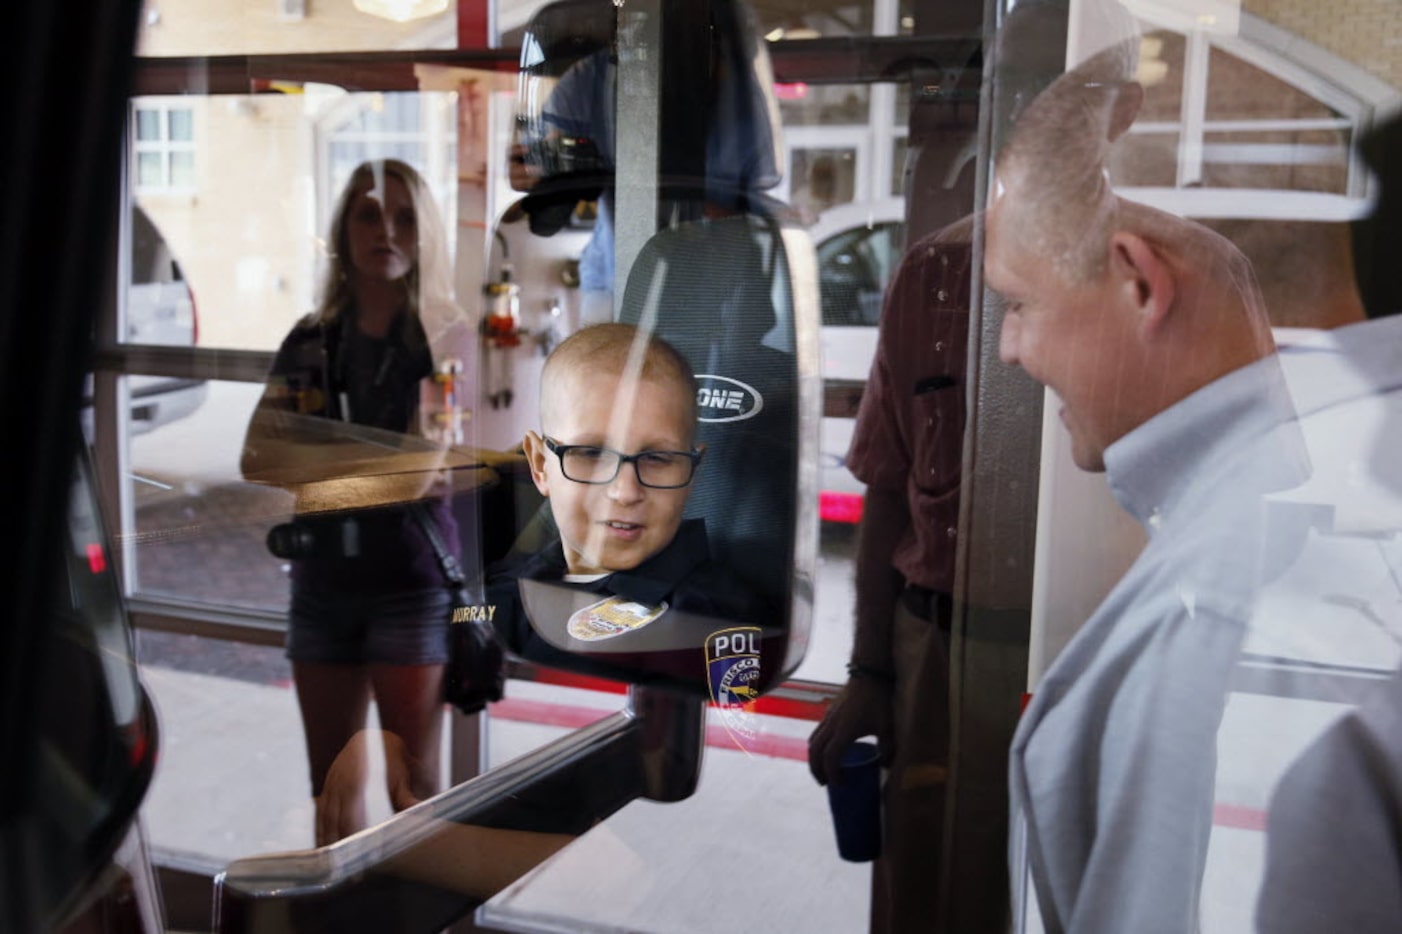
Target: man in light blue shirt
1167, 722
1150, 331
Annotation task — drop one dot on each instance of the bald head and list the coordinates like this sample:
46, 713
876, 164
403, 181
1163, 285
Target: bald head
620, 349
616, 453
1213, 272
1173, 308
1121, 309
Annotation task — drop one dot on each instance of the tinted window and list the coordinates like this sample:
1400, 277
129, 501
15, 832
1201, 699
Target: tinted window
853, 268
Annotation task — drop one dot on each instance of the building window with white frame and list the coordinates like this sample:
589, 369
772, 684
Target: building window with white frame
163, 147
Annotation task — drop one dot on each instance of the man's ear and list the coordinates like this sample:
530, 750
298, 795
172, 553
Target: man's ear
536, 453
1128, 99
1144, 279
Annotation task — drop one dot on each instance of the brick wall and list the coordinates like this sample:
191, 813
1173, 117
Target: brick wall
1365, 32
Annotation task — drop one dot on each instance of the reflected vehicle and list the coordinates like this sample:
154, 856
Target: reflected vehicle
859, 246
160, 310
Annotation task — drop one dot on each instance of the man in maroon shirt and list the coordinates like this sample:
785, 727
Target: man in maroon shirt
908, 449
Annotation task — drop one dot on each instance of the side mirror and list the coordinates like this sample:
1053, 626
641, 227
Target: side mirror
722, 606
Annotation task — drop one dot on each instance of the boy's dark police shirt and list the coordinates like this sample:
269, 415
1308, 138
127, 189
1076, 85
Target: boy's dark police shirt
682, 575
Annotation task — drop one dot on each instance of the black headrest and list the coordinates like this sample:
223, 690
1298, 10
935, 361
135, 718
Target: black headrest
709, 288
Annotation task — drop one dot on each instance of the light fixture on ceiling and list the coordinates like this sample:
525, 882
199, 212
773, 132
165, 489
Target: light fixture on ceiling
1151, 69
401, 11
796, 30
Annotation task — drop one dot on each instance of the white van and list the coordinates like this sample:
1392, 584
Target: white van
160, 309
859, 246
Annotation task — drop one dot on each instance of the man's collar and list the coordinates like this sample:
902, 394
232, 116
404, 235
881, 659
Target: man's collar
1237, 432
1325, 368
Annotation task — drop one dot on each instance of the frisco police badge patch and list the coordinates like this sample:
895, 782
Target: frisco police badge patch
612, 616
732, 671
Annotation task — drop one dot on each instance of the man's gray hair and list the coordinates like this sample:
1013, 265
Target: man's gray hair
1056, 157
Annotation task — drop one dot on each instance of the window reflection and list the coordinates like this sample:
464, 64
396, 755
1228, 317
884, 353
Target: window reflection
899, 155
785, 20
213, 27
247, 229
245, 248
821, 105
1160, 70
821, 179
199, 531
163, 147
1263, 124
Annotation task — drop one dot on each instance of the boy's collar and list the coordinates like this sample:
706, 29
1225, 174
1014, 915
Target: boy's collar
652, 580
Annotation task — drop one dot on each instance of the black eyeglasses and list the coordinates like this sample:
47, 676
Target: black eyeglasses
660, 470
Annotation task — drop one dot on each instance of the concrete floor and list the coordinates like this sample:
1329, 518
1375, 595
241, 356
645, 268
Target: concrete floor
231, 782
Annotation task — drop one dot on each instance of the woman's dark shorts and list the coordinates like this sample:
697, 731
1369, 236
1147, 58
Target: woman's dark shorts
404, 628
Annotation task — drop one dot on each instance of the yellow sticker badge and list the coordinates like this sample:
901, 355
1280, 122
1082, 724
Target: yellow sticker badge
732, 671
610, 617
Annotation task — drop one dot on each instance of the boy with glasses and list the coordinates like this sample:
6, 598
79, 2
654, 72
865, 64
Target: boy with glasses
615, 458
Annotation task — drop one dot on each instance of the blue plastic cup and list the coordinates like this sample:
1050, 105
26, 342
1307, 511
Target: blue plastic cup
854, 797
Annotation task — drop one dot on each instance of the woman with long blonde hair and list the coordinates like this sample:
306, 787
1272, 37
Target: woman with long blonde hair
337, 424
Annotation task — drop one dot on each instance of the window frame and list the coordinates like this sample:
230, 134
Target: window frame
1346, 88
165, 148
1332, 81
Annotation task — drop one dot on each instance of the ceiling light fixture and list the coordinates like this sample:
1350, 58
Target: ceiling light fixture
401, 11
